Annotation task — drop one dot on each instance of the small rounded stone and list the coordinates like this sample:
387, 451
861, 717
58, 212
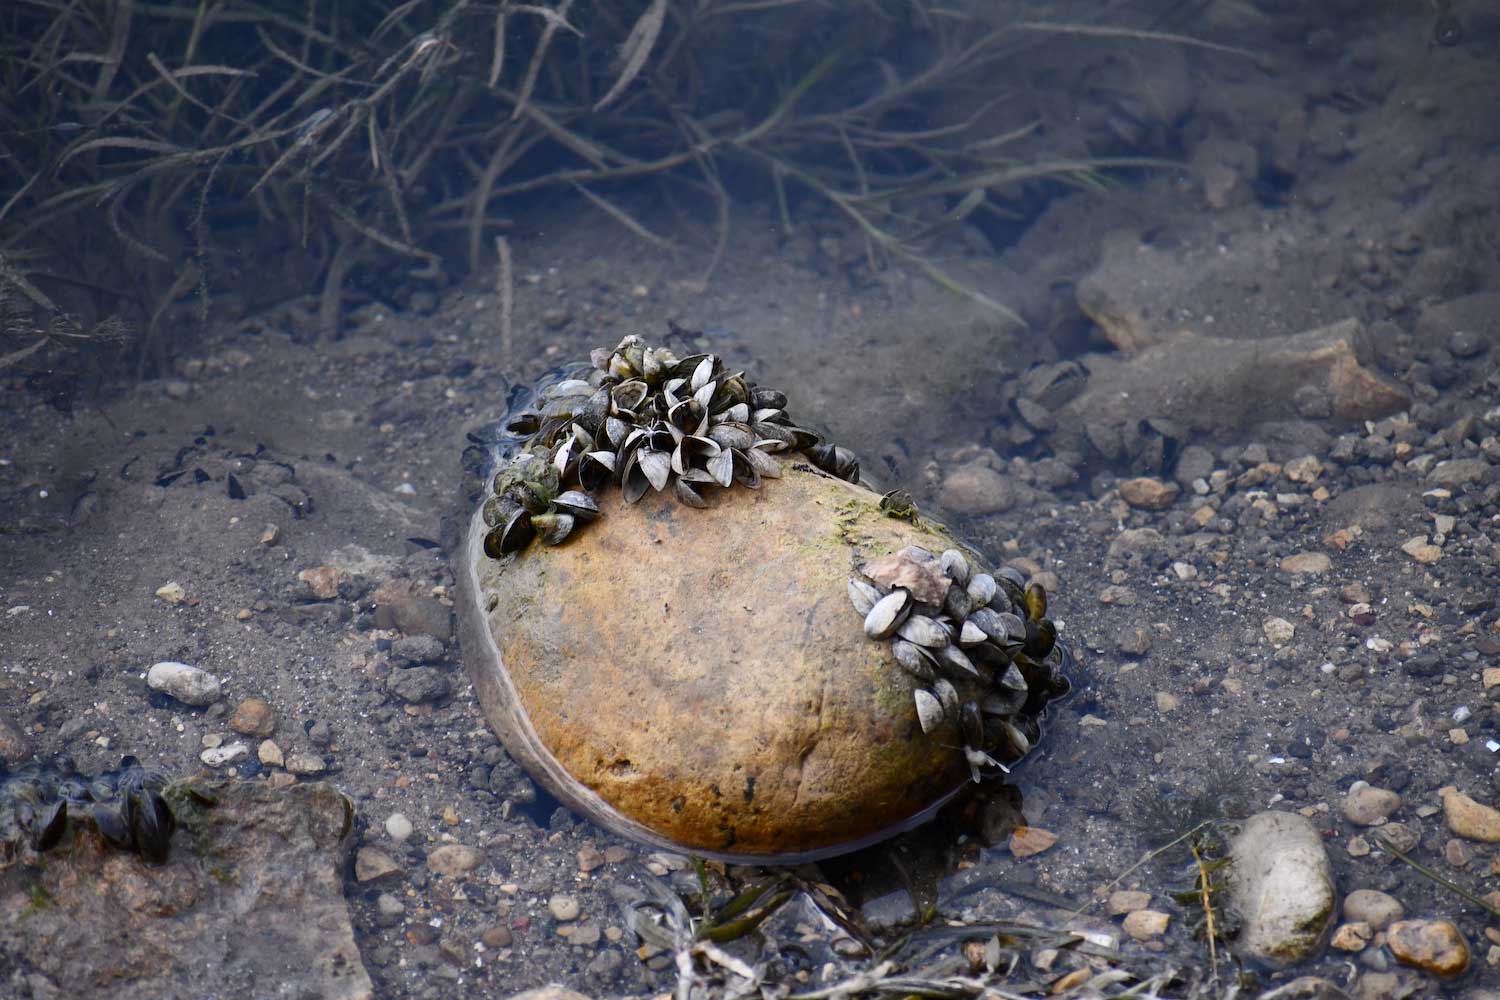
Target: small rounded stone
1373, 907
398, 827
563, 907
253, 717
453, 860
1366, 805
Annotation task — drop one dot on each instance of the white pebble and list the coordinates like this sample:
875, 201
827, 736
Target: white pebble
398, 827
189, 685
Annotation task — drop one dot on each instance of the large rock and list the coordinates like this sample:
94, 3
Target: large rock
699, 678
249, 903
1217, 385
1282, 885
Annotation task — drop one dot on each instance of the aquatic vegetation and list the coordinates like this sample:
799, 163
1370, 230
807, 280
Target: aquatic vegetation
641, 418
41, 803
353, 142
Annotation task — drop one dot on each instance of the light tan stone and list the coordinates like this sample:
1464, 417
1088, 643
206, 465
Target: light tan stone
1306, 563
1468, 818
1029, 840
1148, 493
1143, 925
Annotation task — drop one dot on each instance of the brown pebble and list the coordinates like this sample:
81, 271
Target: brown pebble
1306, 563
1435, 946
614, 854
421, 935
1468, 818
589, 858
1124, 901
454, 860
253, 717
1029, 840
1147, 493
323, 581
1352, 937
497, 937
1143, 925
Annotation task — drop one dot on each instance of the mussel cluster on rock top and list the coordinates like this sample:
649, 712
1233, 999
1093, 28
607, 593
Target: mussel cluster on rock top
644, 419
40, 801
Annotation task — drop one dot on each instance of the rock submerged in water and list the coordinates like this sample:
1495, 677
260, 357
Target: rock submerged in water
696, 678
1282, 885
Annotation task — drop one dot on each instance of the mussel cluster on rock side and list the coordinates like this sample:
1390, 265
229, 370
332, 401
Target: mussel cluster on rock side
642, 418
944, 620
40, 800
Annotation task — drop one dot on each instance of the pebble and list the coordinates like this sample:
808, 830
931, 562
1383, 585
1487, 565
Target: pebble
1468, 818
305, 763
589, 858
1303, 470
371, 865
1306, 564
1373, 907
1123, 901
269, 754
189, 685
497, 937
322, 582
1029, 840
1420, 549
1434, 946
1282, 885
1134, 641
1352, 936
253, 717
398, 827
1458, 471
1278, 630
563, 907
418, 685
172, 592
410, 650
221, 755
388, 910
585, 934
453, 860
1148, 493
1146, 924
1366, 805
977, 489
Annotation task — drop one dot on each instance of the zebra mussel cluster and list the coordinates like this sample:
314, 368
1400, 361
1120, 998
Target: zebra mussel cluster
641, 418
41, 801
952, 629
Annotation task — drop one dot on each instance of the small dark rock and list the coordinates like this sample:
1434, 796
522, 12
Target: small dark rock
418, 685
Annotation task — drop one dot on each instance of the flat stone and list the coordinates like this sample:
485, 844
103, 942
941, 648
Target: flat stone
269, 754
1352, 936
1123, 901
418, 685
372, 864
1027, 841
1468, 818
1282, 884
251, 893
453, 860
1220, 385
659, 718
189, 685
1435, 946
406, 605
1307, 564
1278, 630
305, 763
1420, 549
1143, 925
224, 754
1459, 471
1147, 493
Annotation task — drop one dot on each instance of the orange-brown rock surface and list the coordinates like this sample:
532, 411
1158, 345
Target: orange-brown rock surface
701, 675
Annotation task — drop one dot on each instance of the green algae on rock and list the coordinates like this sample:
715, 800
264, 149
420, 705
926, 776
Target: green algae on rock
694, 676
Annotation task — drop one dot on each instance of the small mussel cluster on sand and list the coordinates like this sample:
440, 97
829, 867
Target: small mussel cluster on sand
39, 802
644, 419
949, 623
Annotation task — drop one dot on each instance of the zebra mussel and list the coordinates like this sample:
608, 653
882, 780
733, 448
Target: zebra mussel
40, 802
979, 648
641, 418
